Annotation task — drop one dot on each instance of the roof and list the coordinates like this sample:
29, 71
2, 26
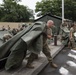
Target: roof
48, 14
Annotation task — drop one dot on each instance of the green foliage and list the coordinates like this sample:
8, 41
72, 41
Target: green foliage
11, 11
70, 9
6, 18
48, 6
55, 7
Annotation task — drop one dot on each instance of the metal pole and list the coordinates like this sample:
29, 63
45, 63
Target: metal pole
62, 10
55, 40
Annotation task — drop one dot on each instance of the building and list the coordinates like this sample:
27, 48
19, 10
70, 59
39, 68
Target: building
57, 20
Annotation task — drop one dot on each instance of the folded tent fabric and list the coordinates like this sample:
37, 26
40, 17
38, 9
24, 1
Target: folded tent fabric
5, 49
31, 40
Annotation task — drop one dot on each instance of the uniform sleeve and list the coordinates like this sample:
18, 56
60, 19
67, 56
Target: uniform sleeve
71, 30
49, 31
45, 31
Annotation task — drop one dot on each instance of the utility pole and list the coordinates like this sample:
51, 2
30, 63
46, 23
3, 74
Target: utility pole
62, 10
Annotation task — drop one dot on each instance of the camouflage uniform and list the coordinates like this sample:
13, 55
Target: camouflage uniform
64, 34
73, 39
46, 49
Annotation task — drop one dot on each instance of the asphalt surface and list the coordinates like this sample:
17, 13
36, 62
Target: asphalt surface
61, 60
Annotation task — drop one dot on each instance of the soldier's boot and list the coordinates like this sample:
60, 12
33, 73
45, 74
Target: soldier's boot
30, 60
53, 65
74, 48
29, 65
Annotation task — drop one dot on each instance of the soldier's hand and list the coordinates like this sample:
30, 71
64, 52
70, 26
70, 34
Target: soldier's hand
49, 36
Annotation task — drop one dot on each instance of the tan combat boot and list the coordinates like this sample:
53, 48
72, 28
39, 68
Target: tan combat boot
29, 66
53, 65
74, 48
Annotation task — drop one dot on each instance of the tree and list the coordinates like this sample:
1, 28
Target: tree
54, 7
70, 9
12, 1
11, 11
48, 6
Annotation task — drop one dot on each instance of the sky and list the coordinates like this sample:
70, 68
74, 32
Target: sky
30, 3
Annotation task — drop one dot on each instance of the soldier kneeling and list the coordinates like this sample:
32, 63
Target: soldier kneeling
6, 37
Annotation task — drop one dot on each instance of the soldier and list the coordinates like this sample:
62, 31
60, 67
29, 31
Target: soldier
8, 27
3, 28
46, 50
64, 33
73, 36
6, 37
14, 32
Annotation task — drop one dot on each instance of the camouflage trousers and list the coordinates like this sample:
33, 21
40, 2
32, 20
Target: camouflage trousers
73, 43
46, 51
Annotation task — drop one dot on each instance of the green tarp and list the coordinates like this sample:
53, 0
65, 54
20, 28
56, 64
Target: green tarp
15, 49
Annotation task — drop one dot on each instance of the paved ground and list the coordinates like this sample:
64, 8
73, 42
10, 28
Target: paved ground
39, 64
66, 61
